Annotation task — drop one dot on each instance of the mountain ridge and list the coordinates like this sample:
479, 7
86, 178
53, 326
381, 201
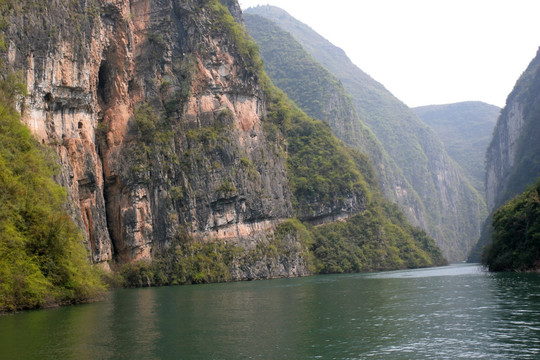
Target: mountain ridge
452, 217
323, 97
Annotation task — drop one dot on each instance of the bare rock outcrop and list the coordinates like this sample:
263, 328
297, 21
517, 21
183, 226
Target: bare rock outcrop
157, 120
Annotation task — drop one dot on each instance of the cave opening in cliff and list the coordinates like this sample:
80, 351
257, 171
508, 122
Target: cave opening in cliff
103, 86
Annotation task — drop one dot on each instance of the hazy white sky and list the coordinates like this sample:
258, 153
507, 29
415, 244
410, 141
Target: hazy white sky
429, 51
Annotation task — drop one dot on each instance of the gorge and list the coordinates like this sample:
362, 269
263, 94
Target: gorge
180, 155
182, 163
148, 143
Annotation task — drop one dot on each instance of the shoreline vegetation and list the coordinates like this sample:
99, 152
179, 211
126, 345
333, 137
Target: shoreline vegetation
516, 234
43, 261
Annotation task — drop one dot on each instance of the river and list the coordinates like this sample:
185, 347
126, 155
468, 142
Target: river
455, 312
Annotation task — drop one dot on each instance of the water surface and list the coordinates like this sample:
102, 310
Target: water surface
451, 312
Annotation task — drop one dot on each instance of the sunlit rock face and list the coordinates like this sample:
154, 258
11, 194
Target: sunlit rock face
157, 120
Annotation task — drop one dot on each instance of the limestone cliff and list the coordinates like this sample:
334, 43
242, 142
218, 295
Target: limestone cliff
175, 146
502, 151
513, 156
157, 121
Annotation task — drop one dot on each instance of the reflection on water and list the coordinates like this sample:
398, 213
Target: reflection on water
454, 270
444, 313
131, 321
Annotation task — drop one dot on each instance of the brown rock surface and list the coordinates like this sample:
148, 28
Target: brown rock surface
89, 74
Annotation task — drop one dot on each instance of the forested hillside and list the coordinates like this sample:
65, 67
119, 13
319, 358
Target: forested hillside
453, 210
516, 234
322, 96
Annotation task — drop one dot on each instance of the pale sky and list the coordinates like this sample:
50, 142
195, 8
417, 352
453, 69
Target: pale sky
429, 51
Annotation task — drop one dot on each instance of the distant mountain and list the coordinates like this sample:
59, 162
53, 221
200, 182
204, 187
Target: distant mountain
513, 164
465, 129
454, 210
321, 95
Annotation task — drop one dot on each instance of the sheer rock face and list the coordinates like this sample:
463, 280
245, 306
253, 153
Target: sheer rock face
502, 152
157, 122
512, 162
512, 158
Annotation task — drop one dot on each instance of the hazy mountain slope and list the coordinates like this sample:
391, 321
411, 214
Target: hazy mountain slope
465, 129
454, 209
322, 96
513, 155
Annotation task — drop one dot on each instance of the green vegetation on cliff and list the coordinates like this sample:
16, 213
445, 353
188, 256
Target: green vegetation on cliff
322, 96
325, 177
371, 242
449, 208
323, 170
42, 258
191, 261
303, 79
516, 234
513, 155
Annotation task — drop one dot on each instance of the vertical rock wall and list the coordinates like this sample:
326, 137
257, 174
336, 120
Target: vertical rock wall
512, 161
502, 151
156, 118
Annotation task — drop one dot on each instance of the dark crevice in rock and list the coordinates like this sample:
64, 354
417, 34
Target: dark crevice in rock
110, 195
103, 87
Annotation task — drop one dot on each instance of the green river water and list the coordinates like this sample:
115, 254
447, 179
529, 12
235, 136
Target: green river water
455, 312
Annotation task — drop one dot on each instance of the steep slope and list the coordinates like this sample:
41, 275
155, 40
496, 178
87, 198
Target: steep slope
156, 116
465, 129
180, 157
322, 96
454, 210
513, 156
512, 160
